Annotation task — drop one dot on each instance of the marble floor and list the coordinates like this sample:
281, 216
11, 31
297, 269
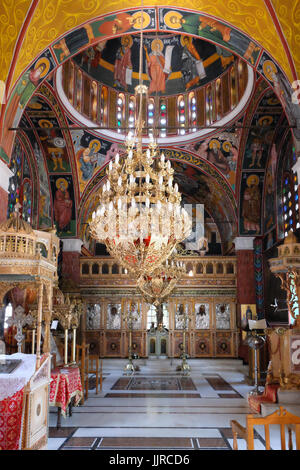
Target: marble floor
158, 408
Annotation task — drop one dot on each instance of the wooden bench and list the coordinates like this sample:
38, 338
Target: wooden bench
281, 417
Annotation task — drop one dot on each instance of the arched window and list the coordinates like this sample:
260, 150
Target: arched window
290, 202
103, 106
85, 269
78, 93
115, 269
199, 269
131, 112
120, 111
20, 184
209, 104
105, 269
94, 99
209, 268
181, 114
233, 86
86, 95
42, 250
229, 268
163, 117
218, 98
219, 268
95, 268
189, 269
27, 201
192, 112
151, 116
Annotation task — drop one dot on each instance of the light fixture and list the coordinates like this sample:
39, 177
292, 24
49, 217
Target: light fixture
156, 287
139, 218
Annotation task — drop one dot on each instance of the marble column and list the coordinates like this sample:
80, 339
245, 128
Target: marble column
246, 293
5, 175
71, 260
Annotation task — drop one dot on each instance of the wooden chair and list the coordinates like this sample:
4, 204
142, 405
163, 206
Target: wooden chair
280, 417
82, 360
94, 368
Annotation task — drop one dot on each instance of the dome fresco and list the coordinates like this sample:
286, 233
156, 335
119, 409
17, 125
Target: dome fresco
172, 64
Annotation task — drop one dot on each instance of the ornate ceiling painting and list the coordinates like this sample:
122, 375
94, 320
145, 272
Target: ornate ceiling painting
233, 170
101, 62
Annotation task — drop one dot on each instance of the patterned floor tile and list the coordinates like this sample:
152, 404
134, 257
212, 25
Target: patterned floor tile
146, 443
152, 395
211, 443
82, 442
61, 432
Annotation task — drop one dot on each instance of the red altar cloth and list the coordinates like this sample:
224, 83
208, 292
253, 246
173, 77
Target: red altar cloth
65, 385
11, 410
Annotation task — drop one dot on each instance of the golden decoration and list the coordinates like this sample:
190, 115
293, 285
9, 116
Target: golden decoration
127, 41
265, 121
60, 181
45, 123
12, 14
173, 19
98, 144
34, 105
227, 146
184, 38
43, 62
136, 17
214, 141
252, 180
157, 44
288, 14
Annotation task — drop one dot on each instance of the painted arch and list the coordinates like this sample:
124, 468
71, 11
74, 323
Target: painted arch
188, 22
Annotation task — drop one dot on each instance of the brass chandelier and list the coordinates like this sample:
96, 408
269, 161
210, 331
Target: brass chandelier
139, 218
156, 287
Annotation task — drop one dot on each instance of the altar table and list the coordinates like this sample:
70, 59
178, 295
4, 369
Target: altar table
65, 389
11, 400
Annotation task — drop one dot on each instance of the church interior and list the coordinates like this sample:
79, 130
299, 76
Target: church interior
149, 225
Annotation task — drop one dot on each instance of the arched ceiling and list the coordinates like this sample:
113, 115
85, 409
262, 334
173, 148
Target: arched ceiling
250, 146
28, 27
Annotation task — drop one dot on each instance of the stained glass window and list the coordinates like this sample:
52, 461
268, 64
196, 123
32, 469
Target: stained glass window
151, 116
103, 106
131, 112
163, 117
20, 185
120, 111
290, 199
181, 115
192, 112
209, 105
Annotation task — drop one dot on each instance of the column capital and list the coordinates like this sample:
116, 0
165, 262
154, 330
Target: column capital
243, 243
5, 175
72, 244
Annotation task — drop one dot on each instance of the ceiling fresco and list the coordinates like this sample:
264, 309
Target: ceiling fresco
49, 19
171, 64
256, 22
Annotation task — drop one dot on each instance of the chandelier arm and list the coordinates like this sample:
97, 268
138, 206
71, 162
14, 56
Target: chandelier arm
140, 219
